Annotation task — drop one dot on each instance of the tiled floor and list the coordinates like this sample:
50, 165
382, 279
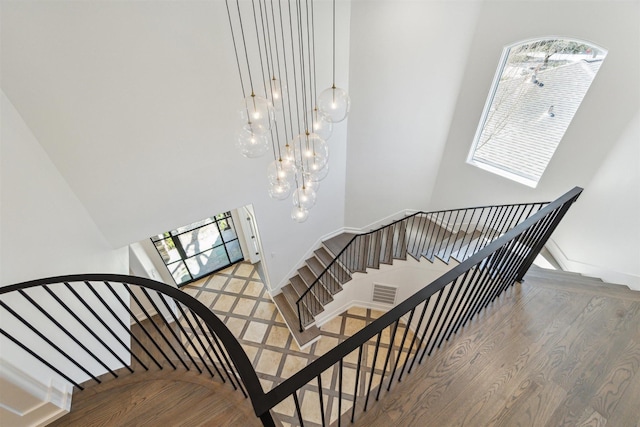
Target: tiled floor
238, 296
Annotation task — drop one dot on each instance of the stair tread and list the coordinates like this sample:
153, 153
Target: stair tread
298, 285
291, 297
619, 291
291, 319
336, 244
318, 290
330, 283
342, 276
563, 276
323, 256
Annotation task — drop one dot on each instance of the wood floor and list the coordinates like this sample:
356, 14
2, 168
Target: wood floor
556, 350
553, 352
160, 398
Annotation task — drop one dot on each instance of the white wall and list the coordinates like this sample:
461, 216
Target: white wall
407, 60
608, 209
605, 114
45, 231
135, 104
44, 228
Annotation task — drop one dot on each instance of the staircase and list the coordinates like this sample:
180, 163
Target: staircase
444, 236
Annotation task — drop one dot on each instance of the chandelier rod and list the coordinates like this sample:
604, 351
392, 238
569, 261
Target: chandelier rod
235, 49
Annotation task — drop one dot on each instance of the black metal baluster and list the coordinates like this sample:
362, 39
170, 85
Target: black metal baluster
340, 367
444, 306
133, 316
103, 323
157, 328
426, 329
196, 319
48, 341
404, 337
298, 410
34, 354
355, 389
86, 327
195, 334
373, 370
413, 340
126, 328
67, 333
386, 359
321, 400
229, 367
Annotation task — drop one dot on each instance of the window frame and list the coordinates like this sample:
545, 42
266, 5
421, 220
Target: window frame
506, 51
174, 237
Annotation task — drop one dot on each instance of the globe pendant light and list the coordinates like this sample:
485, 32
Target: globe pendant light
321, 124
299, 214
279, 170
310, 152
334, 103
256, 114
304, 197
280, 189
252, 144
275, 49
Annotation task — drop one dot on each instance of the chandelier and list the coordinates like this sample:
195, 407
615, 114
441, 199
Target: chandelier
281, 111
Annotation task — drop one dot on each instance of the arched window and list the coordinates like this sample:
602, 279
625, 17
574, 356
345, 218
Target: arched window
537, 89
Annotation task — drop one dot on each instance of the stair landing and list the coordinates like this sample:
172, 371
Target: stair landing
336, 244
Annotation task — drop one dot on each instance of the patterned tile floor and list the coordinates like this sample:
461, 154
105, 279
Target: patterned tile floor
238, 296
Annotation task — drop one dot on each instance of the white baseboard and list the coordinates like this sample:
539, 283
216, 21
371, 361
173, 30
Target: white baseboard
606, 274
26, 401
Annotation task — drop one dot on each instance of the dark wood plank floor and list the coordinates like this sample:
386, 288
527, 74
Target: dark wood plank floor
546, 354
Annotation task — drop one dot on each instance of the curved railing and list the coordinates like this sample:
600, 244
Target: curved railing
94, 327
452, 233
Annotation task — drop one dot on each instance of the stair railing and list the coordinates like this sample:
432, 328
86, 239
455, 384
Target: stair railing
95, 327
424, 321
90, 327
428, 234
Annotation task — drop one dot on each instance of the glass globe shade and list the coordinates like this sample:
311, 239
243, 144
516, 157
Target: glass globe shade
310, 152
256, 114
321, 125
277, 171
278, 92
280, 189
316, 176
252, 144
304, 197
335, 103
299, 214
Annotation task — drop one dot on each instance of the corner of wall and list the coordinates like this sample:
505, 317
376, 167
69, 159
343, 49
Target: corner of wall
601, 272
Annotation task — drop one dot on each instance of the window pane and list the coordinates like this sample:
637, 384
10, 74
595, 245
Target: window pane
227, 229
200, 239
538, 88
179, 272
235, 253
208, 261
167, 250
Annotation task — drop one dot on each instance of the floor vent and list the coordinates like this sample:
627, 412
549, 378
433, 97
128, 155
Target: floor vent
384, 294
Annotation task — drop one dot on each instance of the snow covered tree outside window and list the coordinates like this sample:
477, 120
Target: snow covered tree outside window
538, 88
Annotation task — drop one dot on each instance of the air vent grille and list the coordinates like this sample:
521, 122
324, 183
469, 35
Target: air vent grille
384, 294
